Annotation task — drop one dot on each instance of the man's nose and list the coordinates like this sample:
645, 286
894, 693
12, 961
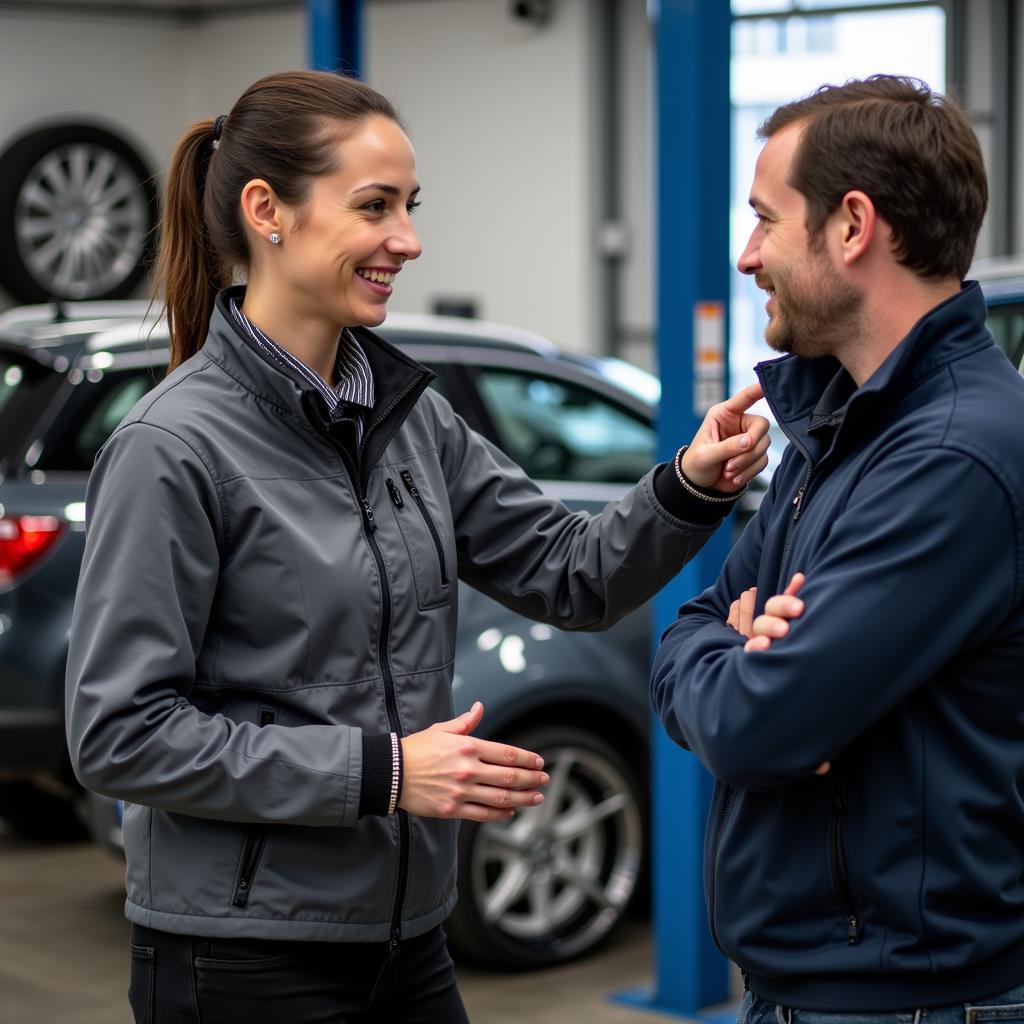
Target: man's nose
750, 259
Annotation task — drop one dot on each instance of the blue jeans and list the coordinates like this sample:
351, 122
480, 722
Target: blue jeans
1007, 1008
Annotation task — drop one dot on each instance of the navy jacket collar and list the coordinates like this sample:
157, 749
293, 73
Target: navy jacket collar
800, 390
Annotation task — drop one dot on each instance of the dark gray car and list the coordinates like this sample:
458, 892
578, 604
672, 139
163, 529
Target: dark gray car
548, 885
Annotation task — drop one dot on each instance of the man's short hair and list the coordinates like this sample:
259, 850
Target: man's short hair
911, 150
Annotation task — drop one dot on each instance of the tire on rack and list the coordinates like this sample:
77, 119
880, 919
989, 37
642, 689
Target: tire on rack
78, 211
552, 883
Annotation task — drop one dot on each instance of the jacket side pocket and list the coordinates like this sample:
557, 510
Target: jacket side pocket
255, 841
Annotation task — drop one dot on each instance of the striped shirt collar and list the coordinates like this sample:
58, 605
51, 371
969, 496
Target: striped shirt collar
355, 378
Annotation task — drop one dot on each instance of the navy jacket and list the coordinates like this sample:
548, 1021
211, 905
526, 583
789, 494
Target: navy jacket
897, 879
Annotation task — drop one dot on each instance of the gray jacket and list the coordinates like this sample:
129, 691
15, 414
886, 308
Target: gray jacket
251, 606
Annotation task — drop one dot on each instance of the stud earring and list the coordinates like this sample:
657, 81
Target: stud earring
275, 238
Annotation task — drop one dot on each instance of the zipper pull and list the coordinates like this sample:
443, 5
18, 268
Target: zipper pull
396, 497
371, 522
852, 930
798, 502
409, 485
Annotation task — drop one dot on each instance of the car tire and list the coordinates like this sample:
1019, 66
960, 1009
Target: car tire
34, 813
552, 883
78, 209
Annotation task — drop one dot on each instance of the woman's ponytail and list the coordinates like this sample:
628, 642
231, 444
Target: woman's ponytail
188, 272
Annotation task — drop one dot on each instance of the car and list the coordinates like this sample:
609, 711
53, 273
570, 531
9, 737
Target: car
1002, 280
543, 888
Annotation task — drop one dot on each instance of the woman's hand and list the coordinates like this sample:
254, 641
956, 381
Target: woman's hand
731, 445
449, 774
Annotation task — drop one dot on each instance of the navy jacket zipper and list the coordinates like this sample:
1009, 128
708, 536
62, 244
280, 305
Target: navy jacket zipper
841, 881
730, 795
798, 507
414, 493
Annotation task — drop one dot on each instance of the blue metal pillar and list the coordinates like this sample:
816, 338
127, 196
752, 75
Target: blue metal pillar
335, 29
693, 174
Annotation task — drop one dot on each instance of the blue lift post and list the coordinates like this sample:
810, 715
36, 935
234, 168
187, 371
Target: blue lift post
693, 50
335, 35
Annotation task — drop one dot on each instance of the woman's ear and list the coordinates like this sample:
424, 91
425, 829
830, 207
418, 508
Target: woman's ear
262, 209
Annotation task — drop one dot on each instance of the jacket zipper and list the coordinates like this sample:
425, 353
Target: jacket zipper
841, 882
798, 507
390, 700
414, 493
255, 840
730, 794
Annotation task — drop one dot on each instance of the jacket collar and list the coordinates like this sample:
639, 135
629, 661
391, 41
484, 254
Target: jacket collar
800, 390
396, 376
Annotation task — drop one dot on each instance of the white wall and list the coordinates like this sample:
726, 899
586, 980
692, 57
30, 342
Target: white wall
226, 54
498, 112
122, 72
636, 105
145, 77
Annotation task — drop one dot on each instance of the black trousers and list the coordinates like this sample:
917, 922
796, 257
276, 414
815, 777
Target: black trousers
182, 979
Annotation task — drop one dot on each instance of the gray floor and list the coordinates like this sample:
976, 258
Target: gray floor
63, 940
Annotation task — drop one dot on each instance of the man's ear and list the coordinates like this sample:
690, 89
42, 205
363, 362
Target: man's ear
858, 223
261, 208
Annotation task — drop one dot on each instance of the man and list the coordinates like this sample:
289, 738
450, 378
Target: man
865, 847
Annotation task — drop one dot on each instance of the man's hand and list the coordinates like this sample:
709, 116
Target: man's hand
730, 446
449, 774
772, 625
778, 610
741, 612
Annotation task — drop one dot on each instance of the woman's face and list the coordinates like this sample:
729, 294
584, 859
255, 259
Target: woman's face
340, 251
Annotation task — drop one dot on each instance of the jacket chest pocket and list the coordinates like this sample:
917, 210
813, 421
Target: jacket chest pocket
421, 527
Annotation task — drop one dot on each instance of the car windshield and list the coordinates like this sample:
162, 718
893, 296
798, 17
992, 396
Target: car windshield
25, 387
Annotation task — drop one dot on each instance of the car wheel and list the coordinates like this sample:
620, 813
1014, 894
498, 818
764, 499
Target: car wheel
551, 883
34, 813
78, 208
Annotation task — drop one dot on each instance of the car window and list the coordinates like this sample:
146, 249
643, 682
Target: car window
97, 408
25, 388
1007, 326
561, 430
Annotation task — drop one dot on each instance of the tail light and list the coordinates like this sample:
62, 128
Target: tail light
23, 540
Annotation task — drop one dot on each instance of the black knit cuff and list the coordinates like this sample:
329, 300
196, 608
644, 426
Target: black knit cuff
678, 501
375, 790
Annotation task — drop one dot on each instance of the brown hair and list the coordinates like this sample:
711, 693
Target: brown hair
912, 151
284, 129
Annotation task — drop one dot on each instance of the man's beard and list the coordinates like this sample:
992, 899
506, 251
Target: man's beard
817, 313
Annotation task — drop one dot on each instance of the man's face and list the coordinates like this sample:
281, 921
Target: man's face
811, 310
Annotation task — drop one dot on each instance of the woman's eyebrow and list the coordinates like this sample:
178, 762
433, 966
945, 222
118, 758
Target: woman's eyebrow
391, 190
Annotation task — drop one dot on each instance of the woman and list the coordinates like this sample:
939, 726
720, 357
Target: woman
261, 656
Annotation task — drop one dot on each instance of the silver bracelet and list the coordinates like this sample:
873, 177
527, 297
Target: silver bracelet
677, 462
396, 772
